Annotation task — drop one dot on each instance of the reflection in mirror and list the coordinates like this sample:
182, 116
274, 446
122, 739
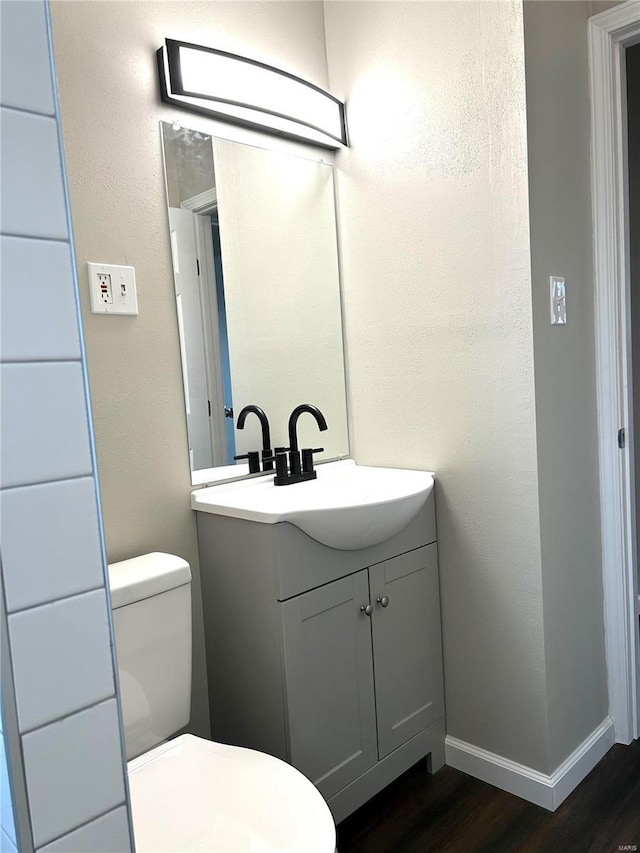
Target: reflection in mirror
255, 258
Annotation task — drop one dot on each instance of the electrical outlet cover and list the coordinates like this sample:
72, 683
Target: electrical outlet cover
112, 289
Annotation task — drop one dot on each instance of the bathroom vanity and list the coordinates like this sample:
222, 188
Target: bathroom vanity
328, 658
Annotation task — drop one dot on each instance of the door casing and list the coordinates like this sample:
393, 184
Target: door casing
610, 33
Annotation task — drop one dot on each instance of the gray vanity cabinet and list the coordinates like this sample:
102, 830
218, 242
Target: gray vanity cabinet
407, 646
340, 724
329, 683
298, 669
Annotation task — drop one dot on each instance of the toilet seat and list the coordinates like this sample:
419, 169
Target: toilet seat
192, 794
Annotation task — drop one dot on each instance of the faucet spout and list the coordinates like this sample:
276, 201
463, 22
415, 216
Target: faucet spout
264, 423
293, 422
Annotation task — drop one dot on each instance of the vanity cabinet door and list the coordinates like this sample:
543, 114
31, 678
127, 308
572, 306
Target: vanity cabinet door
407, 645
329, 683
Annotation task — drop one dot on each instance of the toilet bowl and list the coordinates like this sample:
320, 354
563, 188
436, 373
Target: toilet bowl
190, 794
214, 797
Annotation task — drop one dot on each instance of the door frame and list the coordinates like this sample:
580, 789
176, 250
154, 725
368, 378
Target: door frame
202, 205
610, 33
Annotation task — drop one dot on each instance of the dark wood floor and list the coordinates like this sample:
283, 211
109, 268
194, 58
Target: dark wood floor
451, 811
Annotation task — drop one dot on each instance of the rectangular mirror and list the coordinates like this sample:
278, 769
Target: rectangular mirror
255, 260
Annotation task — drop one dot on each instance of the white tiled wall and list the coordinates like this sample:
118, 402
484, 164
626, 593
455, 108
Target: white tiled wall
70, 793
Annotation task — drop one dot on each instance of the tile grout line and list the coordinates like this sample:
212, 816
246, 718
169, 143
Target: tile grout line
74, 360
36, 483
81, 826
57, 600
27, 112
68, 716
63, 241
37, 361
16, 236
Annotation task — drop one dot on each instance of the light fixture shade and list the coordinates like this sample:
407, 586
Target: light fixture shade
246, 92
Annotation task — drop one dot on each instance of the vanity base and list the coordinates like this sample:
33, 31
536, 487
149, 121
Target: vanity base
429, 740
300, 668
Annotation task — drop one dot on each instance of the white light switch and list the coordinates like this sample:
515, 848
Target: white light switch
112, 289
558, 296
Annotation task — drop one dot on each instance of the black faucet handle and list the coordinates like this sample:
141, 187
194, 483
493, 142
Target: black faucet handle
267, 459
254, 460
307, 457
279, 454
282, 469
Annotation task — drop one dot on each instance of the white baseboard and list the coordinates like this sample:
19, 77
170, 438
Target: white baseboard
539, 788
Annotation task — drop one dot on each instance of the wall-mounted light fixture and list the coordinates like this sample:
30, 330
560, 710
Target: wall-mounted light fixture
246, 92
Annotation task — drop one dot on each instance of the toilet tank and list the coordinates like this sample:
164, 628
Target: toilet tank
151, 604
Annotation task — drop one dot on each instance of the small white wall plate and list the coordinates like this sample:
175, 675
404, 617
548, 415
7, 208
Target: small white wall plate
558, 300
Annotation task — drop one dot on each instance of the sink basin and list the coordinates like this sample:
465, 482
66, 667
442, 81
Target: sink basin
349, 506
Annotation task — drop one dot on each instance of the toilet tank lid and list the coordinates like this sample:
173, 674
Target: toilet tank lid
141, 577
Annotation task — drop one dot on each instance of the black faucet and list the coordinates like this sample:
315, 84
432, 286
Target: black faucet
300, 470
293, 422
267, 462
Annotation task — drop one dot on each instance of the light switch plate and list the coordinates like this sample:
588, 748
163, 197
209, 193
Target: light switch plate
558, 303
112, 289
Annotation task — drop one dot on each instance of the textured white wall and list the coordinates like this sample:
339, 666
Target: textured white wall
434, 225
558, 125
434, 228
106, 68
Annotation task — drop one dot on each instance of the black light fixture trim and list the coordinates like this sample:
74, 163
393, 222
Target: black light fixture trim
174, 86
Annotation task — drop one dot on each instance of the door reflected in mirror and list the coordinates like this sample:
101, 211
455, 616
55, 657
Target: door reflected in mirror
255, 261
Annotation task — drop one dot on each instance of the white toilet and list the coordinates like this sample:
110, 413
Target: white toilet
191, 794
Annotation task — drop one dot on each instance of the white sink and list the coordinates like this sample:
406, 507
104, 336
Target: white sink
349, 506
